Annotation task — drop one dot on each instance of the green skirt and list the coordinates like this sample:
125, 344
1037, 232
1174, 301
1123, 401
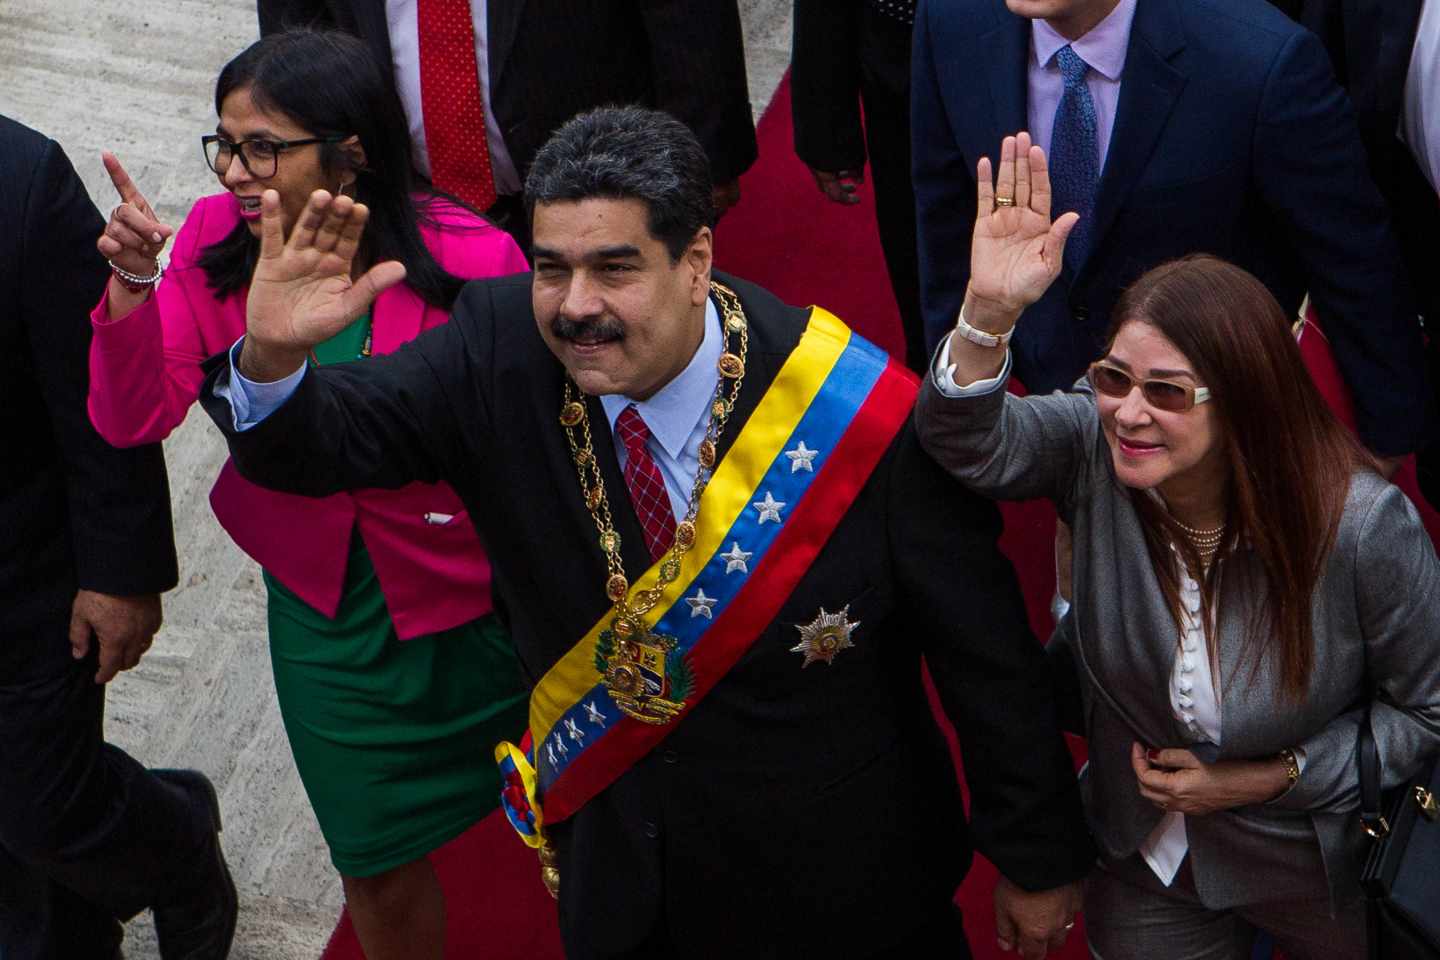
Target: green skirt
393, 740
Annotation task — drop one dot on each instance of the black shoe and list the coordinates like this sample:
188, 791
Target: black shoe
202, 925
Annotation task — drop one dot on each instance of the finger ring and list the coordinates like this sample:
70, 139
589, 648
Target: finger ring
1070, 925
1004, 201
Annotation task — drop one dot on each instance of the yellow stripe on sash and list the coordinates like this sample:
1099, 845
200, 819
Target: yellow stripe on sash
728, 494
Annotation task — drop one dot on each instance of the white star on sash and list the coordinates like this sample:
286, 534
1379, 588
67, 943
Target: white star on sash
574, 730
801, 458
593, 714
564, 750
736, 559
550, 752
700, 605
769, 508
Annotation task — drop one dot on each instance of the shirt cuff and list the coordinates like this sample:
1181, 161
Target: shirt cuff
943, 373
253, 402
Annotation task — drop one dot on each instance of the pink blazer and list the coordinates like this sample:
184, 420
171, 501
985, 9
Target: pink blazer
145, 374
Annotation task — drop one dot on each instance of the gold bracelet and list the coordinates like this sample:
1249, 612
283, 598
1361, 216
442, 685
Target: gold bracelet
1292, 766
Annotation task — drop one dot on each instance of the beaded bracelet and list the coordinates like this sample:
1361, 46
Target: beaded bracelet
133, 281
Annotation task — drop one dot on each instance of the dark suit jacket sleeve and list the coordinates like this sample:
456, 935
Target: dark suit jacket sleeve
382, 422
825, 84
277, 15
964, 601
119, 500
697, 56
1310, 170
944, 190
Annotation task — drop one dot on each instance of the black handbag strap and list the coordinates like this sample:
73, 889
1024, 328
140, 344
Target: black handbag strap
1367, 757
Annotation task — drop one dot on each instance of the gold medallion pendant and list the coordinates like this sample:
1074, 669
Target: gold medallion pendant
647, 675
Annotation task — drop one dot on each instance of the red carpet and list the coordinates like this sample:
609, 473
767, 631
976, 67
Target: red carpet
785, 236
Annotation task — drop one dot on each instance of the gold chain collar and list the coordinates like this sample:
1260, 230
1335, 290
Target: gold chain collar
576, 423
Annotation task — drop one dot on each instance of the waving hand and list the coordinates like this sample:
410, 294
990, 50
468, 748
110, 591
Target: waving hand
1017, 251
303, 293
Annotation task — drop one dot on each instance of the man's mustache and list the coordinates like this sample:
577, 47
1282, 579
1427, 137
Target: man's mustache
597, 330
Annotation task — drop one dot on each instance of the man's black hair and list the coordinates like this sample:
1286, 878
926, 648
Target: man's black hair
628, 153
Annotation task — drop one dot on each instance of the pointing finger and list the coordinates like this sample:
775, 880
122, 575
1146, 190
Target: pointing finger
129, 193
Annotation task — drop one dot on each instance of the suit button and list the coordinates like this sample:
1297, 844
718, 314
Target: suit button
651, 830
670, 756
1081, 314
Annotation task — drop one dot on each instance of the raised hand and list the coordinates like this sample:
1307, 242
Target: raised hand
302, 292
1017, 251
134, 237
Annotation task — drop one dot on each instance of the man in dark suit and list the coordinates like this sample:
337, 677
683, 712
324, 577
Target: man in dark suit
1214, 126
805, 803
845, 53
1371, 44
88, 837
540, 63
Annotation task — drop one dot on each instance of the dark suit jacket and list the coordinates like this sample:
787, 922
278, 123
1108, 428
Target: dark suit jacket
1231, 137
552, 59
74, 512
793, 809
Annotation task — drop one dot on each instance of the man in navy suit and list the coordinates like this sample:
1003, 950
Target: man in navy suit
1174, 126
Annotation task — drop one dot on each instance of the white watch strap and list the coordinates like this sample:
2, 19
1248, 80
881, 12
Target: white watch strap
980, 337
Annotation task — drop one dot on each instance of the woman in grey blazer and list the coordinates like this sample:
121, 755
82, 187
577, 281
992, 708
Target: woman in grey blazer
1245, 585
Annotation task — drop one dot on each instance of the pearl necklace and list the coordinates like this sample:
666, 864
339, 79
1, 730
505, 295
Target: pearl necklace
1205, 542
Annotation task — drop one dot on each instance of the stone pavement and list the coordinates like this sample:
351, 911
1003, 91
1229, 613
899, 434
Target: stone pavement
138, 79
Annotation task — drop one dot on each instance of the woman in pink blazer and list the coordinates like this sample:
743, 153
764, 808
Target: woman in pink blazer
394, 678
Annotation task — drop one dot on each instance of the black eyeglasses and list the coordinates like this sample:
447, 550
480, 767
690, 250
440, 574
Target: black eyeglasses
260, 157
1160, 394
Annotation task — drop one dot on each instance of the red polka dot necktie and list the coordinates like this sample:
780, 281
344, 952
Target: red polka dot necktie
647, 487
450, 100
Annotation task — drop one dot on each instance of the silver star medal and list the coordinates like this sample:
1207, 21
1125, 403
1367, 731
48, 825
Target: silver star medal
825, 636
701, 605
769, 508
802, 458
737, 559
573, 728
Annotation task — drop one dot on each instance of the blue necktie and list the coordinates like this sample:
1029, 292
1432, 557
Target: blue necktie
1074, 154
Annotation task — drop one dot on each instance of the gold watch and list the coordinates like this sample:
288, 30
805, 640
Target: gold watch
1292, 766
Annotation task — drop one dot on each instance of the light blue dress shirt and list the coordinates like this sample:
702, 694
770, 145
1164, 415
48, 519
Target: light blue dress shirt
676, 414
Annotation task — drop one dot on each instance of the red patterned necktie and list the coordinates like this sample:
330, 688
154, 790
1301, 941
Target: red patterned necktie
450, 101
647, 487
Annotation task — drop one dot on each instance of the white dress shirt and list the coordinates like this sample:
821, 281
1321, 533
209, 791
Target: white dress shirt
1420, 123
403, 22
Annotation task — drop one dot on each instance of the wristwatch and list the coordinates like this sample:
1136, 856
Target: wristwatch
980, 337
1292, 766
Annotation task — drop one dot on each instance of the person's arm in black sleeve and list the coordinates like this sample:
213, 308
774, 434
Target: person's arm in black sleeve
698, 63
412, 415
825, 89
119, 500
1310, 171
995, 686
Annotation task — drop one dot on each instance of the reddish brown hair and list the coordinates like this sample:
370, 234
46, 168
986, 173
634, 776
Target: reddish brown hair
1290, 459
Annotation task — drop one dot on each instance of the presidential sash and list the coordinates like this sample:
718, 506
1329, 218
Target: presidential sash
791, 474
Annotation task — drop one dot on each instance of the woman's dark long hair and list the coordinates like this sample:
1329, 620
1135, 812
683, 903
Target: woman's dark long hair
1290, 459
328, 83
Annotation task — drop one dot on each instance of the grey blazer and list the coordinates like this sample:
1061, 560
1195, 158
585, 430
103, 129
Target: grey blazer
1376, 608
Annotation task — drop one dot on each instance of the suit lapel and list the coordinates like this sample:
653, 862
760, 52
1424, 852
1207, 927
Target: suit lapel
503, 22
1149, 88
1006, 48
